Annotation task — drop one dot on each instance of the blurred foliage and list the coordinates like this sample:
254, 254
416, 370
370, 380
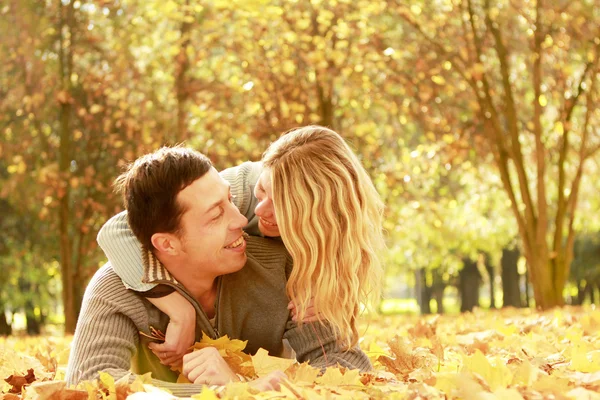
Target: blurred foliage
89, 85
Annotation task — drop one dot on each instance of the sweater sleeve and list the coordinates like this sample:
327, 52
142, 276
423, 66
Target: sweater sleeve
106, 337
317, 343
124, 252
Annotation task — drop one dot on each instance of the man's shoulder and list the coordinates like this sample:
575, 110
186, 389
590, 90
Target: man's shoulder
106, 281
269, 253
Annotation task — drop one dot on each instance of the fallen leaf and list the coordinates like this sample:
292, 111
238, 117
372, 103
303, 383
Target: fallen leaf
264, 364
18, 381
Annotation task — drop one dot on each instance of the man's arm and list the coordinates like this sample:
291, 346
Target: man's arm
106, 336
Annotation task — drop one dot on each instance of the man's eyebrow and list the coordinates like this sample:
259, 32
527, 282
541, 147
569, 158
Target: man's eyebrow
218, 202
213, 206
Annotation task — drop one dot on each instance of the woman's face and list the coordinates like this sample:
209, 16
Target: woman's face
263, 191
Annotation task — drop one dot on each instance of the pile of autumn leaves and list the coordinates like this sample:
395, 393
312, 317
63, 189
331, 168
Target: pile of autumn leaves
509, 354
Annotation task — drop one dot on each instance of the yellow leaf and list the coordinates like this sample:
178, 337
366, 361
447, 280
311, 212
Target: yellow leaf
375, 351
581, 393
302, 373
585, 361
222, 344
206, 394
543, 100
498, 376
335, 377
525, 374
264, 364
507, 394
232, 352
109, 383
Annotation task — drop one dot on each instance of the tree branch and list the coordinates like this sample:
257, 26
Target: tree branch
511, 114
562, 203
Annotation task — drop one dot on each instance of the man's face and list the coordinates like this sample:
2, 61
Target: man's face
211, 228
263, 191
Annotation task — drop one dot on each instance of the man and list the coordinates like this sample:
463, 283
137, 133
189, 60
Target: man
180, 209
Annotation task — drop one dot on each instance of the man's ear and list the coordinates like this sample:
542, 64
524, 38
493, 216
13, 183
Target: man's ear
166, 243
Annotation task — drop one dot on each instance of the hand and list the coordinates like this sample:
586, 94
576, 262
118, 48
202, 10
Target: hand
269, 382
309, 316
180, 336
206, 366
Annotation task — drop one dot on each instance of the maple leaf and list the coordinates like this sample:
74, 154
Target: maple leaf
405, 359
232, 352
424, 329
206, 394
340, 377
477, 345
50, 363
53, 390
222, 344
264, 364
18, 381
496, 376
302, 373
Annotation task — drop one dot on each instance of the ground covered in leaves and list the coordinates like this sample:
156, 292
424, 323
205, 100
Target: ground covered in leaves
509, 354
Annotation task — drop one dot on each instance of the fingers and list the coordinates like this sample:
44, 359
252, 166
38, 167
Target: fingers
207, 366
310, 315
172, 361
269, 382
192, 361
166, 354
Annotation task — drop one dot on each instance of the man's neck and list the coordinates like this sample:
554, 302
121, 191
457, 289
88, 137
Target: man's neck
201, 288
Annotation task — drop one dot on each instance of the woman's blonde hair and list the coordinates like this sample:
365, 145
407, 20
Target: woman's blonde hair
330, 219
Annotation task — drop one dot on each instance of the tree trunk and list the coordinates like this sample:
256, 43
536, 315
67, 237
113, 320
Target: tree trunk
423, 292
32, 321
437, 291
527, 297
438, 295
469, 280
492, 276
66, 66
5, 327
510, 277
582, 290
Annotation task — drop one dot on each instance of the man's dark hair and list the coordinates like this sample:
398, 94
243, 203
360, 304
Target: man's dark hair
150, 186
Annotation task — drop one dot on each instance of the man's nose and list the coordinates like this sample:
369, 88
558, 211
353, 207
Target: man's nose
239, 221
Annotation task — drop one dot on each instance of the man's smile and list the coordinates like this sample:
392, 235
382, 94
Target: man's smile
238, 243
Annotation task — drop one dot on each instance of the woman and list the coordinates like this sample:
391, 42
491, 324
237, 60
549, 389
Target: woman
313, 193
